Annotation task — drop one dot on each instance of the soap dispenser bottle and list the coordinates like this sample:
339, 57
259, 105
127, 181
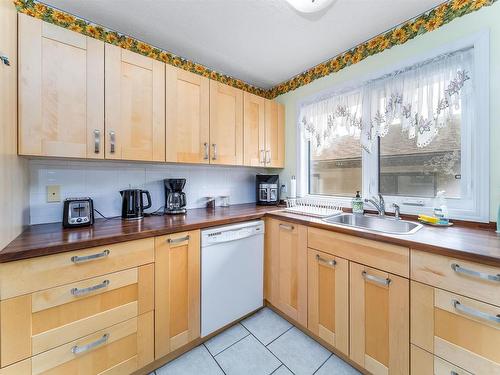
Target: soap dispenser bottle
357, 204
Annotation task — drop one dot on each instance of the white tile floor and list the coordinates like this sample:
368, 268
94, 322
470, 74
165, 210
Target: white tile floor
262, 344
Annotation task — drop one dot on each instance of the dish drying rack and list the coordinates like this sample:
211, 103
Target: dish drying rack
312, 207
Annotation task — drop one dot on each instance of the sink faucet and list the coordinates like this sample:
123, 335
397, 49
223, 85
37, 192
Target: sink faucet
380, 205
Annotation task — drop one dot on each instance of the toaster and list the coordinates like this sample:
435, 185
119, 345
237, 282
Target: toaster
78, 212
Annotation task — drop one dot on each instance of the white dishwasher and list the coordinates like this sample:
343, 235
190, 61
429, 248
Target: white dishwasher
232, 273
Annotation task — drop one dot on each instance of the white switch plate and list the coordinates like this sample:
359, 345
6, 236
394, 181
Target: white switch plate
53, 193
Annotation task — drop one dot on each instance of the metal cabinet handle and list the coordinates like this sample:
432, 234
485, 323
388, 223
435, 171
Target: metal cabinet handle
214, 146
262, 157
178, 240
205, 147
81, 292
112, 141
481, 275
268, 156
287, 227
86, 258
5, 60
330, 263
475, 313
97, 141
376, 279
85, 348
454, 373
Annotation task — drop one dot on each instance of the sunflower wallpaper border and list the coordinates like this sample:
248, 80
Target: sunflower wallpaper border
398, 35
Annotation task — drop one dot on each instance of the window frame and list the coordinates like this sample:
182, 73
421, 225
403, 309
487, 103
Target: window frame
474, 209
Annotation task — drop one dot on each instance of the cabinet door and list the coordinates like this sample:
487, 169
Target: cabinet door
135, 106
254, 130
275, 134
286, 279
461, 330
328, 298
187, 119
226, 124
61, 91
379, 320
177, 282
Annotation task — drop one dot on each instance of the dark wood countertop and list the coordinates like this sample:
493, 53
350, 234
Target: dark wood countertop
469, 243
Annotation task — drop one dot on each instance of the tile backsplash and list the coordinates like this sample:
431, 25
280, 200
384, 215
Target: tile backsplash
102, 181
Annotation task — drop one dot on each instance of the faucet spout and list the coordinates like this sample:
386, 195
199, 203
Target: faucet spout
379, 205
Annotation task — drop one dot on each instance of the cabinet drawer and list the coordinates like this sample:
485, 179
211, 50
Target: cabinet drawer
461, 330
384, 256
118, 349
424, 363
473, 280
31, 275
43, 320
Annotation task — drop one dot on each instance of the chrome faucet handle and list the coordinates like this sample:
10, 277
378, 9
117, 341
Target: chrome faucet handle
397, 211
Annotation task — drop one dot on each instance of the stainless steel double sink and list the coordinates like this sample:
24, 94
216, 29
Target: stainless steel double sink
381, 224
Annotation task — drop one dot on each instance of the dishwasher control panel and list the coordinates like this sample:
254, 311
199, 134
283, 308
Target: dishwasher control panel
231, 232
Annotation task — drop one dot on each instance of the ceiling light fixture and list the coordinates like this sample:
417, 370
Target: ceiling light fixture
310, 6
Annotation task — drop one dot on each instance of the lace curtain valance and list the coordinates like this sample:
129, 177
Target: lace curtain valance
420, 98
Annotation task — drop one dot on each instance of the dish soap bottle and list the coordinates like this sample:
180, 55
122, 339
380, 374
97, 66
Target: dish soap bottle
440, 208
357, 204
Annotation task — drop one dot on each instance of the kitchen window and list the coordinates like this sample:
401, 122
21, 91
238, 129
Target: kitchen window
407, 134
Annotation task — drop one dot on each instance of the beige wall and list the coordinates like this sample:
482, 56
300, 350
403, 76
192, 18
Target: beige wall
486, 18
14, 197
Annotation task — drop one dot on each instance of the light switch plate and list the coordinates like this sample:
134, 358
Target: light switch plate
53, 193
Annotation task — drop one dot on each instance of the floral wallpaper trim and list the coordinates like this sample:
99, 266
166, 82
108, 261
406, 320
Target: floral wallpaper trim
57, 17
428, 21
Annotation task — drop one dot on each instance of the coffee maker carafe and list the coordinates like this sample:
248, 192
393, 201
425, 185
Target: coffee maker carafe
175, 198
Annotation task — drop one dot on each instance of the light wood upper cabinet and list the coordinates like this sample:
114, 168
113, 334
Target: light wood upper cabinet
187, 117
379, 320
286, 268
254, 130
61, 91
275, 134
328, 298
135, 106
177, 282
226, 124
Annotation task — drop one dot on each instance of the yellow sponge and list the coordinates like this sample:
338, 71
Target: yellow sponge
428, 219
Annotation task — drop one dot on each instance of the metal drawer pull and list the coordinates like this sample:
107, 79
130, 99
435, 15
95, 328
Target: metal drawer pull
481, 275
112, 142
376, 279
214, 157
177, 240
330, 263
85, 348
205, 146
97, 141
475, 313
81, 292
454, 373
287, 227
5, 59
86, 258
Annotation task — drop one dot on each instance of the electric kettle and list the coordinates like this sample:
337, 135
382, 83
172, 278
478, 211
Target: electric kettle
133, 204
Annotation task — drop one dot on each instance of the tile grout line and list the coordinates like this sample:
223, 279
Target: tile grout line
273, 340
326, 360
214, 359
234, 343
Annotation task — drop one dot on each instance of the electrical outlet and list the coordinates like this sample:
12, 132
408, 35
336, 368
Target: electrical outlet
53, 193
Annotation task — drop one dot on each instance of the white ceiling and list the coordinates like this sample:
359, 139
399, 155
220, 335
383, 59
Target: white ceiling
263, 42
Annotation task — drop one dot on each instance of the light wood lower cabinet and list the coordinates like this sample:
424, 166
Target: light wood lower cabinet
328, 298
286, 268
461, 330
177, 282
61, 91
424, 363
379, 320
35, 323
134, 106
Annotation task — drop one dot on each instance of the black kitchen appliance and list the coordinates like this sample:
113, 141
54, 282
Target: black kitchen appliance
267, 189
78, 212
133, 203
175, 198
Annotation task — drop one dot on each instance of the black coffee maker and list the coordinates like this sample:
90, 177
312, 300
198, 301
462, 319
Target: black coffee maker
175, 198
133, 204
